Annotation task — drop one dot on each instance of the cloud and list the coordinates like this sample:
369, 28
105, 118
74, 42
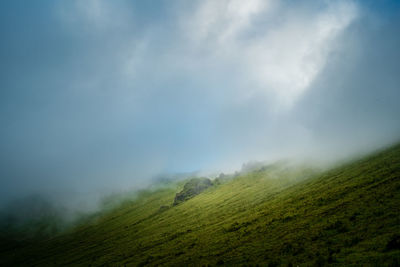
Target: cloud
100, 96
280, 49
222, 21
273, 48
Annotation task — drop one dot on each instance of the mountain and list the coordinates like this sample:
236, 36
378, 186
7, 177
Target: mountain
273, 215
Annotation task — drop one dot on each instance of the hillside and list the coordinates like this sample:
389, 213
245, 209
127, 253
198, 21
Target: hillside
277, 215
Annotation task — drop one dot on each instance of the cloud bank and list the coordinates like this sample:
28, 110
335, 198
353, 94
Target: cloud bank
99, 96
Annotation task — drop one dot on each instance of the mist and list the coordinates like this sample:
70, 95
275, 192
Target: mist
99, 97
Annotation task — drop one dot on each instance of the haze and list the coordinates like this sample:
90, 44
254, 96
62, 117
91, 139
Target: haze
100, 96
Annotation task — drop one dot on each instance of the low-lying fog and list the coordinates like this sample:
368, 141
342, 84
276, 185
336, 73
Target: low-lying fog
99, 97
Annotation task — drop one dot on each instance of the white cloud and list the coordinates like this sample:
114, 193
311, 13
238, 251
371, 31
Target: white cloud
223, 20
278, 48
282, 59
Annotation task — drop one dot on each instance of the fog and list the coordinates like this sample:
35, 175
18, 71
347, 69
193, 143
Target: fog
98, 97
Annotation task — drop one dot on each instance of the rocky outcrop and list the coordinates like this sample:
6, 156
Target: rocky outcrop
192, 188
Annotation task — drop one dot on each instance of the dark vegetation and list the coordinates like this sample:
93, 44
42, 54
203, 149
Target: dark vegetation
192, 188
271, 216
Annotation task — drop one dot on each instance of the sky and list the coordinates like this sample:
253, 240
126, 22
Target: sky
98, 96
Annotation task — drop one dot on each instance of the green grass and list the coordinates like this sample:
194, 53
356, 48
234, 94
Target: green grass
349, 215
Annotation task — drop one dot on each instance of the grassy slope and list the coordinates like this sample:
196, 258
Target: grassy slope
347, 215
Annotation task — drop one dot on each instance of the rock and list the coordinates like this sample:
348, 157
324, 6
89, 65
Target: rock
192, 188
